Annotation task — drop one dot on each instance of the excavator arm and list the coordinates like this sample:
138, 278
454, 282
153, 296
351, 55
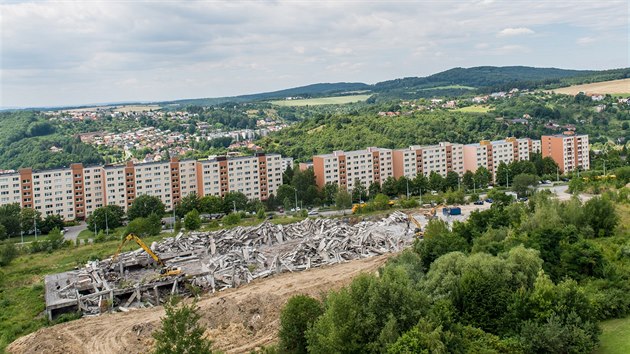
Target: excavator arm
140, 243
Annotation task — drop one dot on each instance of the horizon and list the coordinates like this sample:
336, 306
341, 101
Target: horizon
97, 52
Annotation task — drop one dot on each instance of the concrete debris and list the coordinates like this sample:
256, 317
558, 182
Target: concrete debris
214, 261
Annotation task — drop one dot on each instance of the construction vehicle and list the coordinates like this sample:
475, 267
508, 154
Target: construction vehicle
418, 231
432, 213
164, 271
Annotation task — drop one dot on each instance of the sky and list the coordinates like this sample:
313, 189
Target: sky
55, 53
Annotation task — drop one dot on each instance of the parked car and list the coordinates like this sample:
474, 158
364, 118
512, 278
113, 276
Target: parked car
478, 202
313, 212
489, 200
523, 199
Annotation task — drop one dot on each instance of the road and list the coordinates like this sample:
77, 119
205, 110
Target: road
72, 232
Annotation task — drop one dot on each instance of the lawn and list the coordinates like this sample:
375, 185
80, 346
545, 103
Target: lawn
22, 284
615, 338
321, 101
475, 109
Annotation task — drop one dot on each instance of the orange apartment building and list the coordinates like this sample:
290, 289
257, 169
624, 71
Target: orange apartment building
568, 150
344, 167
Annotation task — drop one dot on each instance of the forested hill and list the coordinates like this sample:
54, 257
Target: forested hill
452, 82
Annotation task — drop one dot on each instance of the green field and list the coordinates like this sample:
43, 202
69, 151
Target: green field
321, 101
474, 109
615, 338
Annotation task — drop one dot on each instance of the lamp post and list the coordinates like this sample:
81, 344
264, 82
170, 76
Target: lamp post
35, 225
295, 191
234, 204
407, 179
106, 223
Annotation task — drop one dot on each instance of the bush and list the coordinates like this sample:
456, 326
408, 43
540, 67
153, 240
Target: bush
180, 331
8, 253
298, 315
192, 221
231, 219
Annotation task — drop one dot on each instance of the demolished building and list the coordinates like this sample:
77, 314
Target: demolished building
214, 261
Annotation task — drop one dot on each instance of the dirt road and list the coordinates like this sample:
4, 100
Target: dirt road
237, 320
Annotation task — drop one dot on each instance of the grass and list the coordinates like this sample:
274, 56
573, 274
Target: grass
615, 337
321, 101
22, 284
474, 109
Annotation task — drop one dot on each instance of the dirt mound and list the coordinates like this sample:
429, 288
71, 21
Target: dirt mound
237, 320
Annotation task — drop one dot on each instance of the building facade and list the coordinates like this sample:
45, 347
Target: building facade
490, 154
442, 158
75, 192
344, 167
376, 164
568, 150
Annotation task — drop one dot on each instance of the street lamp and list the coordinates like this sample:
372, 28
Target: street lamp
407, 179
106, 223
35, 225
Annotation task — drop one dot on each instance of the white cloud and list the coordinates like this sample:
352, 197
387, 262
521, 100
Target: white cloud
518, 31
55, 53
585, 40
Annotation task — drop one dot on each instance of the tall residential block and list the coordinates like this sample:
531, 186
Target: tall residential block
344, 167
490, 154
442, 158
568, 150
75, 192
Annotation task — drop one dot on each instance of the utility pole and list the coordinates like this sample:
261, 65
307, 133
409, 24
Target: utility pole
22, 236
407, 179
507, 178
234, 203
295, 191
420, 196
557, 174
35, 225
173, 224
604, 167
106, 223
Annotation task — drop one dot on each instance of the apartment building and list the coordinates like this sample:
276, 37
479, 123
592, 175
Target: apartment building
490, 154
441, 158
344, 167
75, 192
568, 150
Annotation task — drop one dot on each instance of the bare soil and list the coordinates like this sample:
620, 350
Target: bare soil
237, 320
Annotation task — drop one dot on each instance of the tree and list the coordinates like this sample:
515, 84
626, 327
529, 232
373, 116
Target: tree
503, 174
452, 180
145, 205
98, 218
8, 252
468, 180
438, 240
359, 192
482, 177
192, 221
420, 184
601, 215
302, 181
10, 219
381, 202
233, 200
343, 200
231, 219
210, 204
522, 184
187, 204
50, 222
180, 331
329, 192
389, 187
260, 214
374, 189
29, 219
143, 227
403, 186
436, 181
299, 314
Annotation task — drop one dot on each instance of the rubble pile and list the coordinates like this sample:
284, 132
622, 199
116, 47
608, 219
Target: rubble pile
241, 254
219, 260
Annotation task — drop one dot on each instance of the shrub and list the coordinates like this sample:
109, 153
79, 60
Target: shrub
298, 315
180, 331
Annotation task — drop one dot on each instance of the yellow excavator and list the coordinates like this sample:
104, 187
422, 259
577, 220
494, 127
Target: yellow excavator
431, 214
165, 271
418, 231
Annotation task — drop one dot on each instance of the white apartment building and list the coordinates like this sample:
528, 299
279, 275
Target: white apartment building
441, 158
343, 168
490, 154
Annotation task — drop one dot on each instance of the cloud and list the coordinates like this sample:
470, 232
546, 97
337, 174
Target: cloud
71, 52
585, 40
518, 31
